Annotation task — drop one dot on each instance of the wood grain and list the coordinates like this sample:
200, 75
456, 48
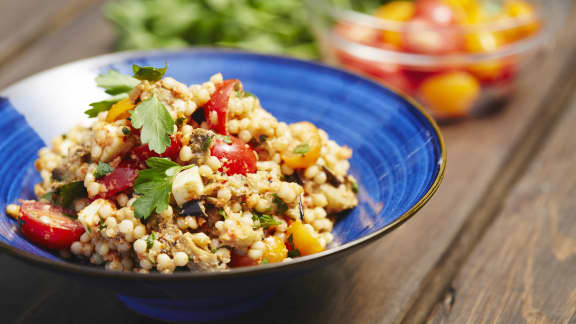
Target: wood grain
523, 271
376, 285
24, 22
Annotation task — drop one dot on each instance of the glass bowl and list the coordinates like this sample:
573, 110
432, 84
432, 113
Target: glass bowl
465, 69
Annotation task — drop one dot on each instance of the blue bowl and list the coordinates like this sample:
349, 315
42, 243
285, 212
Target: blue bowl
399, 160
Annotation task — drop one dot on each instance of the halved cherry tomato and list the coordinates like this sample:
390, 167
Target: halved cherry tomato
421, 36
216, 109
236, 156
305, 148
237, 260
521, 10
400, 11
47, 226
143, 152
119, 180
435, 12
120, 110
357, 33
303, 239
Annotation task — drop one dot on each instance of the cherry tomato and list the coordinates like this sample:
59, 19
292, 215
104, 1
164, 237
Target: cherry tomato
435, 12
236, 156
143, 152
120, 110
495, 71
47, 226
275, 250
399, 11
237, 260
303, 238
520, 10
305, 148
119, 180
420, 36
216, 109
450, 94
357, 33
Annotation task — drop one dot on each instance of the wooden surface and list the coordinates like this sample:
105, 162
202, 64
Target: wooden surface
439, 262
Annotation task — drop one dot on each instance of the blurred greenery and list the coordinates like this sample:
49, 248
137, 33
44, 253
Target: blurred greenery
271, 26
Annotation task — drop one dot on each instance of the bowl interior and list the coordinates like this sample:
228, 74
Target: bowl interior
398, 155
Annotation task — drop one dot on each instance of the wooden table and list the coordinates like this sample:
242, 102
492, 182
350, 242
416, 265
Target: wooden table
497, 244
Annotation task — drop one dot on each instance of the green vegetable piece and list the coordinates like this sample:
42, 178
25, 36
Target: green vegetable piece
126, 131
101, 225
264, 220
150, 240
227, 139
355, 188
102, 169
49, 196
264, 261
156, 123
206, 144
149, 73
116, 83
222, 213
104, 105
69, 192
302, 149
154, 185
280, 205
294, 253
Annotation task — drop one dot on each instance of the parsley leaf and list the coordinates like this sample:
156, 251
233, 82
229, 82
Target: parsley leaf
264, 261
102, 225
156, 124
294, 253
355, 188
226, 139
302, 149
115, 82
154, 185
206, 143
102, 169
280, 205
104, 105
149, 73
222, 213
68, 192
150, 240
264, 220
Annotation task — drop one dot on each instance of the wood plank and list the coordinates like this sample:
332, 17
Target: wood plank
523, 269
381, 282
86, 36
23, 22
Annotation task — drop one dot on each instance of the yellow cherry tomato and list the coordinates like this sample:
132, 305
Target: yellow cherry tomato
520, 10
120, 110
399, 11
305, 147
467, 11
276, 250
451, 93
489, 70
482, 42
304, 239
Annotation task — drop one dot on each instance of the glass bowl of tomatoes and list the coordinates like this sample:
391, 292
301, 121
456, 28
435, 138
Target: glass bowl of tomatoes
460, 58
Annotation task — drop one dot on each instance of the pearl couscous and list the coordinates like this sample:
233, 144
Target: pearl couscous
170, 177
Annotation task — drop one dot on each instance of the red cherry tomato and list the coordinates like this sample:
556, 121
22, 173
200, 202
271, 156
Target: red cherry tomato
47, 226
216, 109
143, 152
421, 36
435, 12
237, 260
119, 180
236, 156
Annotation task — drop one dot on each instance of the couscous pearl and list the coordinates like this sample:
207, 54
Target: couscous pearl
180, 259
163, 261
185, 153
145, 264
122, 199
262, 205
286, 169
181, 223
245, 136
139, 231
286, 192
259, 245
224, 195
123, 247
13, 210
126, 226
320, 178
205, 171
213, 163
85, 238
114, 266
129, 237
167, 212
96, 259
93, 189
191, 222
76, 248
255, 254
311, 171
319, 200
102, 248
105, 210
87, 249
140, 246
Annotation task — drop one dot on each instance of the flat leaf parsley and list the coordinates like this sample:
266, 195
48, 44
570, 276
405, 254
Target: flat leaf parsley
149, 73
156, 124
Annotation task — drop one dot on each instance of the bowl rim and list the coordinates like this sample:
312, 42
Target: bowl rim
99, 272
378, 54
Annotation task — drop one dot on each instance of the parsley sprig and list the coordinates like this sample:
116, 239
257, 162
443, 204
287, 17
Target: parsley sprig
154, 186
156, 123
102, 170
263, 220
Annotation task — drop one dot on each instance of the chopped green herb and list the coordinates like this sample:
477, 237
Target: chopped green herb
213, 250
294, 253
69, 192
222, 213
149, 73
64, 136
264, 261
126, 131
104, 105
102, 226
262, 138
180, 121
115, 82
264, 220
281, 206
150, 240
227, 139
49, 196
155, 185
154, 119
102, 169
207, 143
302, 149
355, 188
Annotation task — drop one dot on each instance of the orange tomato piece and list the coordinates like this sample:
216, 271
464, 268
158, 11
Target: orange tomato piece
451, 93
120, 110
304, 239
305, 148
399, 11
520, 10
276, 250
